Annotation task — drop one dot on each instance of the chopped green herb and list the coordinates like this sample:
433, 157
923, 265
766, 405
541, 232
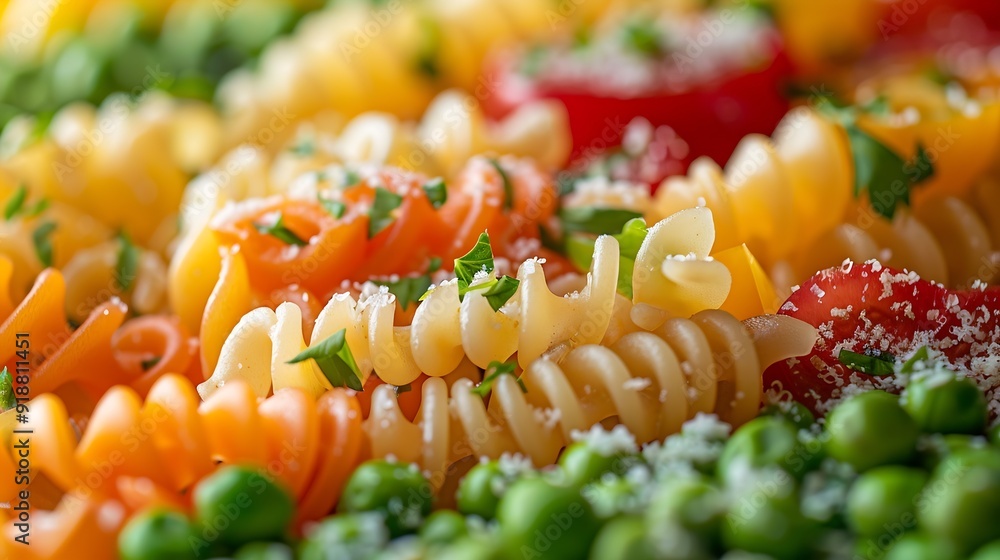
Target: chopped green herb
16, 202
596, 220
501, 292
332, 207
922, 168
479, 259
304, 147
380, 215
436, 192
508, 187
407, 290
282, 233
434, 265
335, 360
878, 107
580, 250
493, 371
43, 242
920, 356
7, 399
351, 178
878, 170
533, 61
870, 363
150, 363
400, 389
643, 37
127, 265
37, 208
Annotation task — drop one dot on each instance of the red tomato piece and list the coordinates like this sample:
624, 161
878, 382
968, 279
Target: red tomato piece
864, 307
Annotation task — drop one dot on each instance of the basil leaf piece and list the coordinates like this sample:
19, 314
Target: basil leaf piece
501, 292
480, 258
493, 371
279, 231
598, 221
332, 207
335, 360
380, 216
873, 363
127, 265
508, 187
150, 363
41, 238
15, 202
7, 398
436, 191
580, 250
407, 290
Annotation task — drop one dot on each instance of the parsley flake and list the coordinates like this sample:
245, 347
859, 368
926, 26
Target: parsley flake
580, 250
436, 192
16, 202
592, 219
501, 292
334, 358
43, 242
7, 399
508, 187
380, 215
150, 363
279, 231
480, 258
127, 265
494, 371
872, 362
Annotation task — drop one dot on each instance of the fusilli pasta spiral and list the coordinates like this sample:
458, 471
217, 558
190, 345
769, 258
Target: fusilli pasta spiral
131, 453
650, 382
786, 196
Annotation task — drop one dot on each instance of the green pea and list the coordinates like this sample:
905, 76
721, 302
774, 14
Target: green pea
242, 506
582, 463
264, 551
157, 535
479, 491
471, 548
918, 546
993, 434
990, 551
352, 536
884, 497
624, 538
397, 490
935, 448
537, 516
769, 522
951, 406
961, 502
694, 504
764, 442
443, 527
871, 429
793, 411
613, 495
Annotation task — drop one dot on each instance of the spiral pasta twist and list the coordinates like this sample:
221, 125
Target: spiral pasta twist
787, 195
355, 57
649, 381
136, 351
673, 276
132, 453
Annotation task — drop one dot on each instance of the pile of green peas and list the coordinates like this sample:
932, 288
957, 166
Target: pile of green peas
881, 477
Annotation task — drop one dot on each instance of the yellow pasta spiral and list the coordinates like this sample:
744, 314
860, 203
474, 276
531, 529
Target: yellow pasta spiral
651, 382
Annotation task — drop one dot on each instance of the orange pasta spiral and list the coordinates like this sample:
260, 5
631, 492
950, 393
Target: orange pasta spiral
134, 453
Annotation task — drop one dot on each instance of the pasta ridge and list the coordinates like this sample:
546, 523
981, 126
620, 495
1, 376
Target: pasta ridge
650, 381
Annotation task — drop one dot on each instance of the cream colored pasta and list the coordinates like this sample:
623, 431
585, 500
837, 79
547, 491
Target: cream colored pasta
444, 331
650, 382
